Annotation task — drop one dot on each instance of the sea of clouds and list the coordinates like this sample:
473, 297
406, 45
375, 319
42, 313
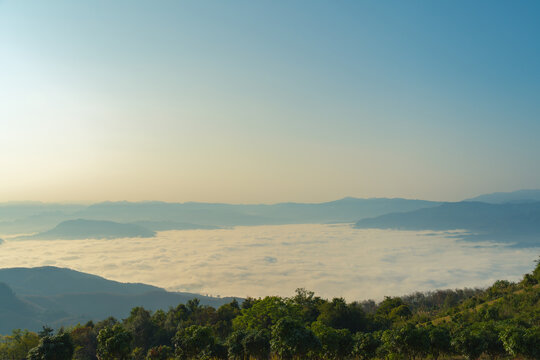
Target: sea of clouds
332, 260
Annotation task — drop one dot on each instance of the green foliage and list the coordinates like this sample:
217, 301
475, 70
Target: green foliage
468, 343
194, 342
439, 341
308, 305
142, 329
335, 343
84, 341
224, 318
292, 340
536, 271
365, 345
161, 352
235, 345
256, 344
113, 343
57, 347
263, 314
17, 345
408, 341
500, 322
340, 315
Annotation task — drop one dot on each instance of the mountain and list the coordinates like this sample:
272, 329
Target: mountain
517, 223
519, 196
12, 211
95, 229
50, 280
344, 210
172, 225
32, 297
14, 310
158, 216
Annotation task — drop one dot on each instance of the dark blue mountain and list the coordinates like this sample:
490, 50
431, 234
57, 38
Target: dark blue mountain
92, 229
157, 216
32, 297
517, 223
520, 196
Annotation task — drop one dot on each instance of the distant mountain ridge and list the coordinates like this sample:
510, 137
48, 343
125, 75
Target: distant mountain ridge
519, 196
32, 297
157, 216
143, 219
92, 229
51, 280
517, 223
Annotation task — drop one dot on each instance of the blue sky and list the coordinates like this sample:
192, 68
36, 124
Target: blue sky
267, 101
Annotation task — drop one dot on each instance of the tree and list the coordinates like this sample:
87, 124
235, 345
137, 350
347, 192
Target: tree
439, 341
408, 341
536, 271
531, 340
388, 304
85, 342
57, 347
468, 343
292, 340
161, 352
224, 317
340, 315
335, 343
490, 335
512, 338
308, 304
365, 345
263, 314
46, 330
235, 347
193, 342
113, 343
17, 345
141, 327
256, 344
519, 341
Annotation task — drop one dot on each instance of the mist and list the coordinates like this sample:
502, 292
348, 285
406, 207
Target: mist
332, 260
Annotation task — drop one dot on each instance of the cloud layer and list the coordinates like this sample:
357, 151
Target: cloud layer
332, 260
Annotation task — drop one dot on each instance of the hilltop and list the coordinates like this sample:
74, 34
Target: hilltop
33, 297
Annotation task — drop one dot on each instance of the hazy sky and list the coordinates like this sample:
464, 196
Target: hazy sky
267, 101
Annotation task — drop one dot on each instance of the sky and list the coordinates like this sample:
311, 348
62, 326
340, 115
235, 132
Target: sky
267, 101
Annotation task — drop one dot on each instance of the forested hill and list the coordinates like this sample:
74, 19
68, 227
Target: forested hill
33, 297
500, 322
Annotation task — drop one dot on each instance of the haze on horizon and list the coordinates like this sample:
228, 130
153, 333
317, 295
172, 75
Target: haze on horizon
265, 102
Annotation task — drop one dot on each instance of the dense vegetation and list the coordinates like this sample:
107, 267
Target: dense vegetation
502, 321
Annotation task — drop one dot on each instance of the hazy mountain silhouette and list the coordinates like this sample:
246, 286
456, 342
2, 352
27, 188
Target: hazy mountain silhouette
15, 311
95, 229
32, 297
12, 211
344, 210
154, 215
519, 196
51, 280
517, 223
172, 225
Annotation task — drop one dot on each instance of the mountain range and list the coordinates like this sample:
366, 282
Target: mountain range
512, 217
515, 223
157, 216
